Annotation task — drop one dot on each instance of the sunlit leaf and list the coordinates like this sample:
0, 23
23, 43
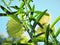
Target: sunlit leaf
20, 21
21, 16
22, 4
28, 1
45, 19
24, 39
14, 28
53, 28
40, 38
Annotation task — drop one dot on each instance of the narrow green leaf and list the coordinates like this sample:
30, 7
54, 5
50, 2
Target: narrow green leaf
39, 12
22, 4
10, 2
54, 37
32, 9
40, 25
40, 34
29, 6
4, 9
55, 21
47, 31
4, 2
47, 35
14, 17
39, 39
15, 7
28, 1
40, 16
58, 32
2, 14
6, 12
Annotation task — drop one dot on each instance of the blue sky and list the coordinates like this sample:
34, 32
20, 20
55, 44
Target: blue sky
53, 7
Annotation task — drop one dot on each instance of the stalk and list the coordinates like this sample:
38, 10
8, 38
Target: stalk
56, 20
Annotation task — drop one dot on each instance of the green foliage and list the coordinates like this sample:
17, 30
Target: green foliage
20, 22
57, 33
14, 28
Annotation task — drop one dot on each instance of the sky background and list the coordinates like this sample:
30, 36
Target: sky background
53, 7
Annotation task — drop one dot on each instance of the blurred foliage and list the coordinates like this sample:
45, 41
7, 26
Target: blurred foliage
25, 19
14, 28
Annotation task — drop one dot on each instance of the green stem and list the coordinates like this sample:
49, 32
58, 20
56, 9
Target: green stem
57, 19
